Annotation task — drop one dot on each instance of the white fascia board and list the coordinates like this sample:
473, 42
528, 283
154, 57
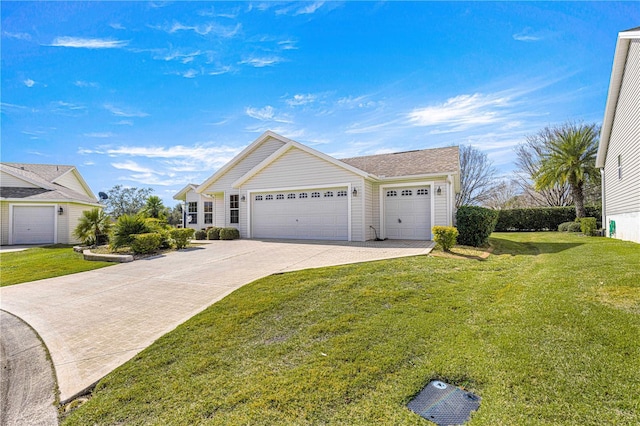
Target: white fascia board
280, 152
235, 160
29, 202
617, 73
430, 176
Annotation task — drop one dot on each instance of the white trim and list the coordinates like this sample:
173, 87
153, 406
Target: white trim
382, 188
55, 218
301, 188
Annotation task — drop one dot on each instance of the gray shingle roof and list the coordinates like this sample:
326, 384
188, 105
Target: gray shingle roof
409, 163
42, 175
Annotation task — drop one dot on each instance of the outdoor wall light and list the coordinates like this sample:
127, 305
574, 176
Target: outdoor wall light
243, 198
355, 192
60, 211
439, 191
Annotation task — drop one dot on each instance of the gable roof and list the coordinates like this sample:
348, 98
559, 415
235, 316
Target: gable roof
183, 192
617, 73
293, 144
409, 163
44, 176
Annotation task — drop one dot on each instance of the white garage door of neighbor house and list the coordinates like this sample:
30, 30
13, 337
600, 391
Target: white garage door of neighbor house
407, 213
317, 214
33, 224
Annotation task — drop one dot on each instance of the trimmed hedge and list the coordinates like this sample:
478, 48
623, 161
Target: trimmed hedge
146, 243
229, 234
475, 224
541, 218
213, 233
181, 237
588, 226
201, 234
445, 236
569, 227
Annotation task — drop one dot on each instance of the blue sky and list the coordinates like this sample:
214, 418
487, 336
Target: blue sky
161, 94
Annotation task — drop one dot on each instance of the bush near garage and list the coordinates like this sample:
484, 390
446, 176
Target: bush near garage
146, 243
229, 233
181, 237
588, 226
126, 226
201, 234
445, 236
475, 225
540, 218
213, 233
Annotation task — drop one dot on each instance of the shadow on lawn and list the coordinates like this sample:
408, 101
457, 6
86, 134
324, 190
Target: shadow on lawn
514, 248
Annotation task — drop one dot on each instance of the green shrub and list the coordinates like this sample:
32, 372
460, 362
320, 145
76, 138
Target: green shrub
146, 243
229, 234
201, 234
181, 237
445, 236
125, 227
475, 224
213, 233
569, 227
588, 226
162, 228
540, 218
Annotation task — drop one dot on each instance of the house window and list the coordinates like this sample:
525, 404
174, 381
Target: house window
280, 197
192, 212
269, 197
302, 195
342, 193
315, 195
258, 197
392, 193
422, 191
291, 196
234, 209
619, 166
208, 212
328, 194
406, 192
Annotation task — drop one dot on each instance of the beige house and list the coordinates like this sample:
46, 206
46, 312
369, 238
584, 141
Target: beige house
41, 203
619, 151
280, 188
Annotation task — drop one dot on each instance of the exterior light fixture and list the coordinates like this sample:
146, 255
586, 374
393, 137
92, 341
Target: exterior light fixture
439, 191
60, 211
243, 198
355, 192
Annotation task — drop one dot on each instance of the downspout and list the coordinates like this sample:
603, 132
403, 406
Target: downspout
602, 192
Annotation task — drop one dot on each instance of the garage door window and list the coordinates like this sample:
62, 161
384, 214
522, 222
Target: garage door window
342, 193
303, 195
268, 197
392, 193
315, 195
328, 194
258, 197
422, 191
407, 193
280, 197
234, 209
291, 196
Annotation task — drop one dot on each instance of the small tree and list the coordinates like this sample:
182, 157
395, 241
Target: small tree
123, 200
174, 215
126, 226
154, 208
477, 177
93, 227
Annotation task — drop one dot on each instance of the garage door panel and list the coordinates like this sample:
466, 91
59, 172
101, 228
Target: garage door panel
407, 213
34, 224
322, 217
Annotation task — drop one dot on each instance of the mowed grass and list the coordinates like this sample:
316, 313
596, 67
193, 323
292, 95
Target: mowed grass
546, 331
43, 262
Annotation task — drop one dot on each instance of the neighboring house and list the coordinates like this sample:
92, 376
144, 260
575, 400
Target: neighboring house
619, 151
279, 188
41, 203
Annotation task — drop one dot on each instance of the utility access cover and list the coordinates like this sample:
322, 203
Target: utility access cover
444, 404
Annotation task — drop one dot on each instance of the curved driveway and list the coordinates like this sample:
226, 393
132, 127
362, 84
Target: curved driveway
94, 321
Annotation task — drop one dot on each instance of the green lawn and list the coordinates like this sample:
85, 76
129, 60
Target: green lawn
546, 331
43, 262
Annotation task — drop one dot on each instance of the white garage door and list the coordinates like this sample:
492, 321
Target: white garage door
317, 214
407, 213
33, 224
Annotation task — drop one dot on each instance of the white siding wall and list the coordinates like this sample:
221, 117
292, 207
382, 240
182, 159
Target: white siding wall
372, 208
441, 217
68, 221
297, 168
4, 223
10, 181
622, 196
70, 181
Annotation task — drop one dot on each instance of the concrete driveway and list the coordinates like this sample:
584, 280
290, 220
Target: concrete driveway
94, 321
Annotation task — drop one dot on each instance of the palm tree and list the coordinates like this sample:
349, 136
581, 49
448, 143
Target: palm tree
154, 208
93, 227
570, 158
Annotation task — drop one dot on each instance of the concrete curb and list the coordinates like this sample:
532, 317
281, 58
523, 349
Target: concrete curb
119, 258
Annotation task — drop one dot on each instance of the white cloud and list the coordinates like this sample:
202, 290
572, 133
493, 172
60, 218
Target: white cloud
287, 45
67, 108
117, 26
81, 83
196, 152
88, 43
132, 166
101, 135
120, 112
124, 123
266, 114
301, 99
462, 111
19, 36
260, 62
351, 102
307, 9
223, 31
528, 35
29, 83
